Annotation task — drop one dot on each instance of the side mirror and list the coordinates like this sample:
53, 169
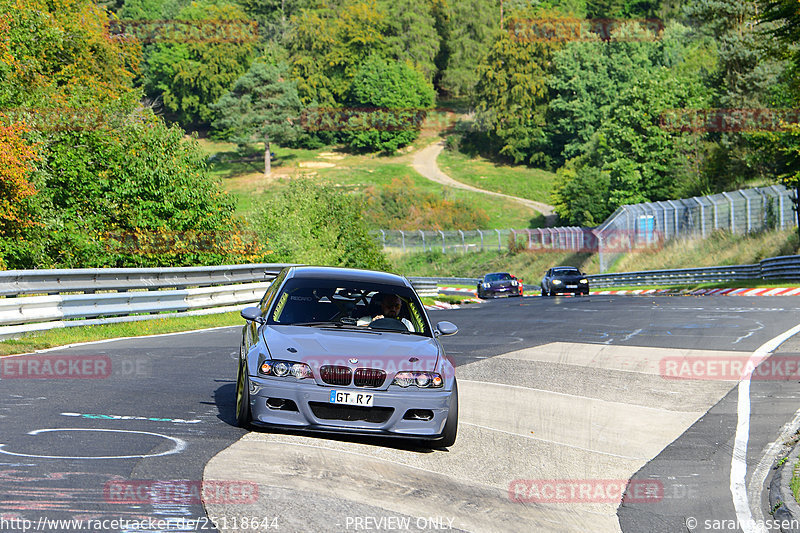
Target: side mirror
253, 314
446, 328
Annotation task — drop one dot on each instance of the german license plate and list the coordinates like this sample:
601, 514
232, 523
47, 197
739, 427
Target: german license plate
364, 399
572, 286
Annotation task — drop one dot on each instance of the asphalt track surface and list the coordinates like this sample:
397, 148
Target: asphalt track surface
562, 402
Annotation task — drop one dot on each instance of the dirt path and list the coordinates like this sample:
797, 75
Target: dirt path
424, 162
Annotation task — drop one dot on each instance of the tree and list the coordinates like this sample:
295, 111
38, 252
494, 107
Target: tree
16, 165
468, 28
512, 89
327, 46
411, 34
393, 96
262, 106
191, 72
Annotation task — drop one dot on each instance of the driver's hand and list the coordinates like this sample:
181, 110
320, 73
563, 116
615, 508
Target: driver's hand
377, 317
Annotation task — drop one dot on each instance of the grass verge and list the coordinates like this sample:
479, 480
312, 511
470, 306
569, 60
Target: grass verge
516, 180
63, 336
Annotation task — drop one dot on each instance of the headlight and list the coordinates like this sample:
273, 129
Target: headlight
486, 285
556, 282
514, 283
584, 281
423, 380
285, 368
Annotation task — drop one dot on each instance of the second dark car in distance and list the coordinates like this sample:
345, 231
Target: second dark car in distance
564, 279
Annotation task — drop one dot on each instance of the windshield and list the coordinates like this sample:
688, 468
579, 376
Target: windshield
500, 276
566, 272
323, 302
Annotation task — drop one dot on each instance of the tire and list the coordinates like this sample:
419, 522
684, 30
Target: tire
243, 415
448, 437
544, 293
480, 294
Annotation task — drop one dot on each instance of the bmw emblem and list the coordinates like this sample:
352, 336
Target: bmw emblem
353, 361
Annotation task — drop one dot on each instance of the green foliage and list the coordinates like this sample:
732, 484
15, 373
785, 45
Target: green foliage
400, 205
411, 34
52, 50
190, 74
137, 195
317, 224
512, 90
327, 46
386, 87
262, 106
468, 28
627, 157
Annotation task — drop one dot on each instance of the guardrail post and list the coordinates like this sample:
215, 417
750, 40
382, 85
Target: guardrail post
403, 236
383, 238
463, 243
530, 241
423, 239
442, 234
481, 234
499, 242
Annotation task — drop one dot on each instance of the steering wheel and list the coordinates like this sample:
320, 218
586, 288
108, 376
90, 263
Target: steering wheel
388, 323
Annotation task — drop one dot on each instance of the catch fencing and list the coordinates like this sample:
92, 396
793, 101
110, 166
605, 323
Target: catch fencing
630, 227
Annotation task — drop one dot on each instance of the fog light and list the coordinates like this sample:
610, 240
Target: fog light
265, 368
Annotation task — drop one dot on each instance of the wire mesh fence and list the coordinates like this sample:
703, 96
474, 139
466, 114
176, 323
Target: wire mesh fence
630, 227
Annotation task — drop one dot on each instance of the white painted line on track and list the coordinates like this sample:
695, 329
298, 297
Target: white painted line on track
739, 455
180, 445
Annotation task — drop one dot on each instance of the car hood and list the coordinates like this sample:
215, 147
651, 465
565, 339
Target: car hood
321, 346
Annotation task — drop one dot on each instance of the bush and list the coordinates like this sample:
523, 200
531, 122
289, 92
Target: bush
317, 224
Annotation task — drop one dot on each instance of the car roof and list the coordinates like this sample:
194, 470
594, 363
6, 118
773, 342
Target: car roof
565, 268
348, 274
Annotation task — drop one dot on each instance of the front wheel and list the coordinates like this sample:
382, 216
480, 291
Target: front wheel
243, 416
448, 437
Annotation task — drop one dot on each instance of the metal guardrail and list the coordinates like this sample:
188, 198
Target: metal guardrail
677, 276
90, 280
78, 297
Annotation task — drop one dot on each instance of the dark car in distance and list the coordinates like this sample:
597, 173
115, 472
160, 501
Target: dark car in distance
564, 279
497, 284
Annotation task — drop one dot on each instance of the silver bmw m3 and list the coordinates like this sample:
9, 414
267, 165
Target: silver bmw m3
347, 351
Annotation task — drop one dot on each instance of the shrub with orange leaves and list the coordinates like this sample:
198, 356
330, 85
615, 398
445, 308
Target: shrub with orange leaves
16, 164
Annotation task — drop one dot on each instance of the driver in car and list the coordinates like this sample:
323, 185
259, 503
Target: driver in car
391, 304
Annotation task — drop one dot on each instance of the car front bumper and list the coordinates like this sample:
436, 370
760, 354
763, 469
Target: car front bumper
312, 409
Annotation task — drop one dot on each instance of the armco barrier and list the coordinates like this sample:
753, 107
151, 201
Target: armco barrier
89, 280
78, 297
